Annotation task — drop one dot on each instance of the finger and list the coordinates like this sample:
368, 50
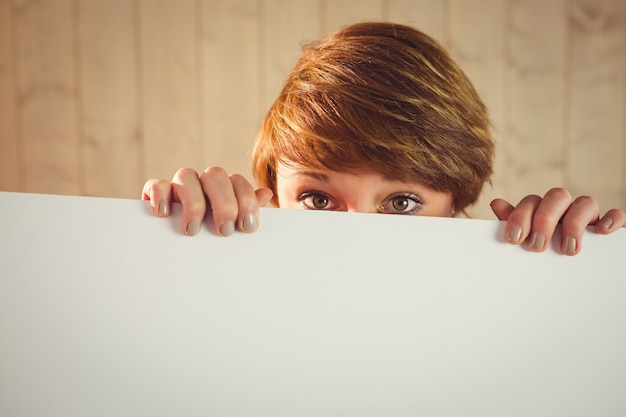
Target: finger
501, 208
248, 216
218, 188
159, 193
264, 196
186, 189
519, 220
611, 221
547, 215
583, 211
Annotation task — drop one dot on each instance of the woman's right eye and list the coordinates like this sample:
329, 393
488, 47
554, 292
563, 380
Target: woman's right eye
315, 200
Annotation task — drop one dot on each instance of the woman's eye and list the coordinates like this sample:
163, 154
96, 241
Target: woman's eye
319, 201
402, 204
316, 201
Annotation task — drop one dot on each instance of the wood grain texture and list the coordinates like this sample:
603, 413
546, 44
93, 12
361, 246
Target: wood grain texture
9, 147
111, 142
426, 15
341, 13
230, 82
95, 97
287, 26
534, 122
595, 162
170, 86
48, 96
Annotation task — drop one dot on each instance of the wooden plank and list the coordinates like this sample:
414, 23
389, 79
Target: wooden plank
536, 32
47, 96
595, 155
231, 82
287, 26
341, 13
112, 166
477, 43
425, 15
169, 86
9, 153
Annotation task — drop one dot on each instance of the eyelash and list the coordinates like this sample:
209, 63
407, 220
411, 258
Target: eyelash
306, 195
384, 208
419, 203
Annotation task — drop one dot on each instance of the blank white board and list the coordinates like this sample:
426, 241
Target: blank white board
106, 310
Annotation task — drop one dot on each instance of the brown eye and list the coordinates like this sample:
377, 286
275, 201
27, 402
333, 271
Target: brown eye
405, 203
320, 201
400, 203
316, 200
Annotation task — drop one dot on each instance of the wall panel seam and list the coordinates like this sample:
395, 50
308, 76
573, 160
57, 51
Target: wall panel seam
200, 82
567, 98
19, 128
139, 127
78, 99
323, 24
623, 185
447, 25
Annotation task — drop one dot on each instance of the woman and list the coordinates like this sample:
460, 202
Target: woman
375, 118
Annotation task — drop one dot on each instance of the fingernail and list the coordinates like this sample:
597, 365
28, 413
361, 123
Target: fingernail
537, 241
569, 245
227, 229
163, 208
515, 234
249, 223
606, 222
193, 227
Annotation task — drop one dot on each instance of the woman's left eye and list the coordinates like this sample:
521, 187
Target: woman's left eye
402, 204
314, 200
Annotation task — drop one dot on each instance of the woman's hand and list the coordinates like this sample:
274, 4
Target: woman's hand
233, 201
533, 221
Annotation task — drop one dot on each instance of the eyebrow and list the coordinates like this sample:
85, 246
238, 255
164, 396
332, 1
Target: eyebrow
320, 176
313, 174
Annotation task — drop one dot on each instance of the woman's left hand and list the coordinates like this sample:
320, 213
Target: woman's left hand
533, 221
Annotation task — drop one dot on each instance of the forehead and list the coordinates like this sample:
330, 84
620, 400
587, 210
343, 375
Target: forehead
294, 174
290, 169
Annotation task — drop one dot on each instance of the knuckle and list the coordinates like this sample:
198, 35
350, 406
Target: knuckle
617, 214
214, 171
183, 173
530, 199
213, 175
150, 184
241, 183
586, 200
163, 187
560, 193
542, 220
155, 187
237, 178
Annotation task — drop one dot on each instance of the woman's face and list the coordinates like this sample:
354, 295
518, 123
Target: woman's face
365, 192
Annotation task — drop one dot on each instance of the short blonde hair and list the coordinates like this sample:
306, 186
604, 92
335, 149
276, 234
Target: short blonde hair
381, 96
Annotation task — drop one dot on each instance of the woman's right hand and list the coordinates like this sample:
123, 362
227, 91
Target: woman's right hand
233, 201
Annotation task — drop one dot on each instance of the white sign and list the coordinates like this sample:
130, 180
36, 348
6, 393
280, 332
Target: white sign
106, 310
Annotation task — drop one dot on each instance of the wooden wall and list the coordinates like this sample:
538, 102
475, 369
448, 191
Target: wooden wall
97, 96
